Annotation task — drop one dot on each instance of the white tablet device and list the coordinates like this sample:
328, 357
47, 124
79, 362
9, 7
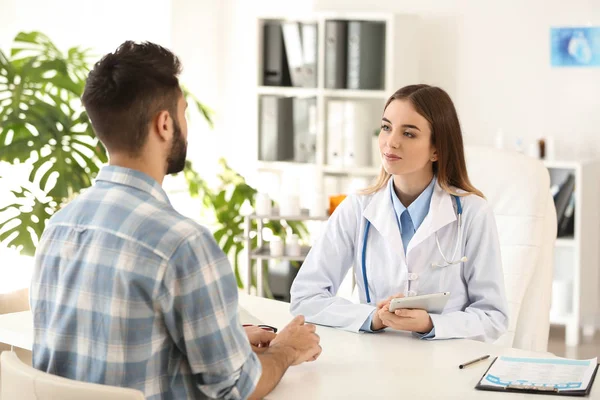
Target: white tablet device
432, 303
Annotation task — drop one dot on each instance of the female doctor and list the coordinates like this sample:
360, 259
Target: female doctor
421, 229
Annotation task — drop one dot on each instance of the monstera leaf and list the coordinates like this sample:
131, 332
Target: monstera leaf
43, 124
25, 218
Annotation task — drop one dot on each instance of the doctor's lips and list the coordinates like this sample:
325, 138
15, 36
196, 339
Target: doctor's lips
391, 157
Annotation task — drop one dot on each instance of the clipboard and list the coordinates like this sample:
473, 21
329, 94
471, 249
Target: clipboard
536, 389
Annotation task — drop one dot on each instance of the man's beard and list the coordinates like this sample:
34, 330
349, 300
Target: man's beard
176, 158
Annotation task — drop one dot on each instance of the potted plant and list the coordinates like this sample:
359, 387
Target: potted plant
228, 202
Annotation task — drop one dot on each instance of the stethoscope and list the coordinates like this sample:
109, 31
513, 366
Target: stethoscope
445, 263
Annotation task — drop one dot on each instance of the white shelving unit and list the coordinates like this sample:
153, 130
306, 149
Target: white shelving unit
577, 259
261, 253
401, 69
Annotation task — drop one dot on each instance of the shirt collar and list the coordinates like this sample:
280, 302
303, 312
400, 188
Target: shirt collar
133, 178
418, 209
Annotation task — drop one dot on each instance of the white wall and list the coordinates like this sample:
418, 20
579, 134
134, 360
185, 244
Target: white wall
493, 57
99, 25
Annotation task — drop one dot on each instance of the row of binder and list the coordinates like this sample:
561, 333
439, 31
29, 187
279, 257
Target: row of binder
287, 129
354, 54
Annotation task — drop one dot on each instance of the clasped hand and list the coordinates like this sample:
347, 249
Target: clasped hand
404, 320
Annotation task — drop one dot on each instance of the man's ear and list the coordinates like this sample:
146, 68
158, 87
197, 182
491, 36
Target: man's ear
163, 125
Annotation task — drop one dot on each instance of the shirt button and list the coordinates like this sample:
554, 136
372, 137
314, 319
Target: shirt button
411, 293
413, 276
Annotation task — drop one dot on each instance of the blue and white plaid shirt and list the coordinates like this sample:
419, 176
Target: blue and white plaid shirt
127, 292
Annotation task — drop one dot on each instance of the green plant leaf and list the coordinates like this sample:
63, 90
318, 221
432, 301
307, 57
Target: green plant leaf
23, 230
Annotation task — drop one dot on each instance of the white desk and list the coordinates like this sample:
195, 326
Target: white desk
358, 366
16, 329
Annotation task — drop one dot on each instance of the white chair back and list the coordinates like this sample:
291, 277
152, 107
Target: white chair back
19, 381
518, 189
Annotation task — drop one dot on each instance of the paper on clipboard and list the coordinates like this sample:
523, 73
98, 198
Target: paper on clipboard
559, 373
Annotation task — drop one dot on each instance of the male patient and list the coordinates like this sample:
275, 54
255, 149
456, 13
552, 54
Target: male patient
126, 291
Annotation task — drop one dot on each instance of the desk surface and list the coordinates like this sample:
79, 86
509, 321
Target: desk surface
357, 366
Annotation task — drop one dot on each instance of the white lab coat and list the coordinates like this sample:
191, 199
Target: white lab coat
477, 308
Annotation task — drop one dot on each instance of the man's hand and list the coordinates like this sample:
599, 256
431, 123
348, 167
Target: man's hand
301, 338
406, 320
259, 338
376, 322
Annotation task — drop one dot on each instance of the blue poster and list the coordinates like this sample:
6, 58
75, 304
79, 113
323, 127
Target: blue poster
575, 47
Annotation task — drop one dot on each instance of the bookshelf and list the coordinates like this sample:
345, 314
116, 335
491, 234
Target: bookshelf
575, 299
399, 68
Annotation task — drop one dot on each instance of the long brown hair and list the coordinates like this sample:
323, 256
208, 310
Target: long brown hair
437, 108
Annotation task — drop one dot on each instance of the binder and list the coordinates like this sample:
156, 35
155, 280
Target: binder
305, 132
561, 200
336, 37
335, 132
536, 389
360, 120
293, 50
275, 67
309, 54
566, 226
276, 135
366, 55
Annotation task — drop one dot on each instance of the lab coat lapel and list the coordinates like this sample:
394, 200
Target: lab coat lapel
441, 213
380, 213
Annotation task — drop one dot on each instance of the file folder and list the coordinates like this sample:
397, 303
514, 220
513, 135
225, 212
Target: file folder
276, 130
293, 49
366, 55
275, 66
336, 38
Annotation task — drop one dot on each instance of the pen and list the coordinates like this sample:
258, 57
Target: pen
461, 366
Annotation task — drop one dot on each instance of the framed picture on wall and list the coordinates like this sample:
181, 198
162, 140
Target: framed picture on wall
575, 46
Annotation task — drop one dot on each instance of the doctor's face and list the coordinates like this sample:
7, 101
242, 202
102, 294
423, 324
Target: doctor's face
405, 140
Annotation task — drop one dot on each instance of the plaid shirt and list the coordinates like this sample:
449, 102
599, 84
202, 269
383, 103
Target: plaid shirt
127, 292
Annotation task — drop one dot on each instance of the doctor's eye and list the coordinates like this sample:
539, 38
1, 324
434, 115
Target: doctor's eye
409, 135
385, 128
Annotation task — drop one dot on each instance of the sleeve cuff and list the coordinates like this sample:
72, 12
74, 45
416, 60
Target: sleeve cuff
249, 377
366, 326
239, 385
425, 336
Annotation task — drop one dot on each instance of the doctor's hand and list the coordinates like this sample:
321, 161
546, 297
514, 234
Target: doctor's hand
406, 320
376, 322
301, 338
259, 338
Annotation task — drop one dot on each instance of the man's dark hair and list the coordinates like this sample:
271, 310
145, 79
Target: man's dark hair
126, 89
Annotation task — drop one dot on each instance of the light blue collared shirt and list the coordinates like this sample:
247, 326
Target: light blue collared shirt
409, 219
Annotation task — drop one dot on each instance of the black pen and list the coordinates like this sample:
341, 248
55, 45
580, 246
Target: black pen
461, 366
